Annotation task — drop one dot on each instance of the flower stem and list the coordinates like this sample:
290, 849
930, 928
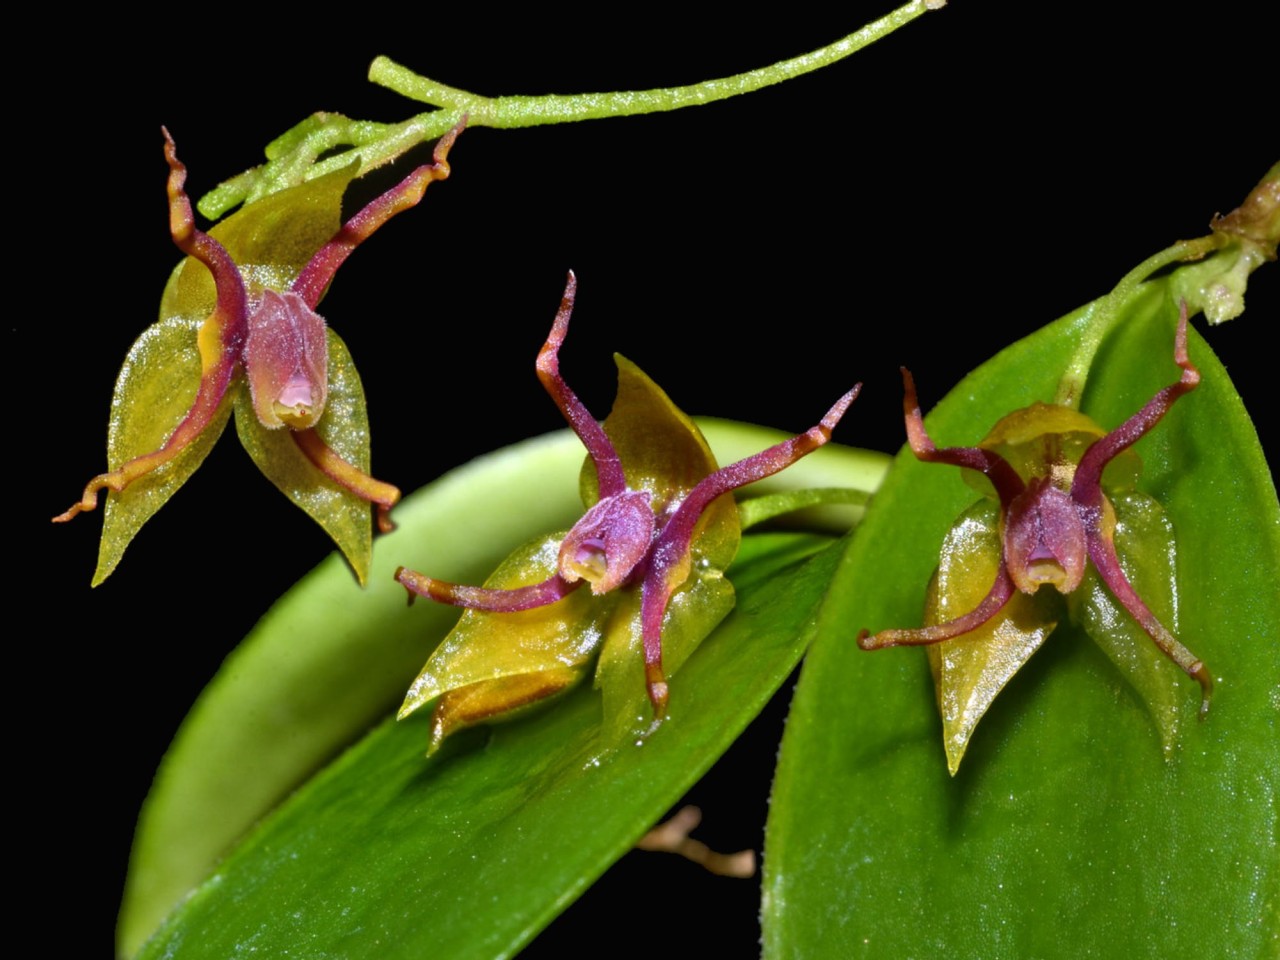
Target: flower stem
295, 156
1106, 311
1212, 279
521, 111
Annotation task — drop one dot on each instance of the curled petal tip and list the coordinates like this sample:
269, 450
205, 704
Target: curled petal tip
1200, 673
893, 638
658, 694
89, 499
74, 510
561, 324
385, 523
1190, 373
401, 573
838, 410
382, 513
656, 682
911, 404
445, 143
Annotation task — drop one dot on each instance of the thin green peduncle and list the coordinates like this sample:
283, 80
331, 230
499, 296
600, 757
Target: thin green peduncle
325, 142
1105, 313
522, 111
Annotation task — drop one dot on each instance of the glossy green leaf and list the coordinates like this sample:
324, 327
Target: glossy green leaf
347, 518
289, 698
1067, 830
273, 714
469, 853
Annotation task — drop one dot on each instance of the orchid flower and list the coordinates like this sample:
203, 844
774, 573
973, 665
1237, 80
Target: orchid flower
239, 329
1055, 526
657, 535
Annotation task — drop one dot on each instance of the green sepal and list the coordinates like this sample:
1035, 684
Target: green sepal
693, 612
1145, 545
662, 451
345, 429
272, 239
484, 650
971, 670
153, 392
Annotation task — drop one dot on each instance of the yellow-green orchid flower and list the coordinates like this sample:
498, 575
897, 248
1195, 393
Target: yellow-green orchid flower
238, 329
659, 531
1052, 525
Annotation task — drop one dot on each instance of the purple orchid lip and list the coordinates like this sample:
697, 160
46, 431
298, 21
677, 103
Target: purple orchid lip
1048, 532
286, 361
621, 540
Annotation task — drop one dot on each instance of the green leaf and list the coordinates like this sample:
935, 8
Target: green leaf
469, 853
292, 695
1066, 830
288, 698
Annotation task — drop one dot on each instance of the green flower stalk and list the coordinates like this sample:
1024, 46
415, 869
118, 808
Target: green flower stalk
325, 142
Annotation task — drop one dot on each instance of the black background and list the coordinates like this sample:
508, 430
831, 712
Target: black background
928, 201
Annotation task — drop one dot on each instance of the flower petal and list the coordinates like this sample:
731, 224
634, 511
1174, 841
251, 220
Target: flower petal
345, 428
153, 393
1147, 552
503, 699
971, 670
694, 610
485, 647
663, 452
272, 239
